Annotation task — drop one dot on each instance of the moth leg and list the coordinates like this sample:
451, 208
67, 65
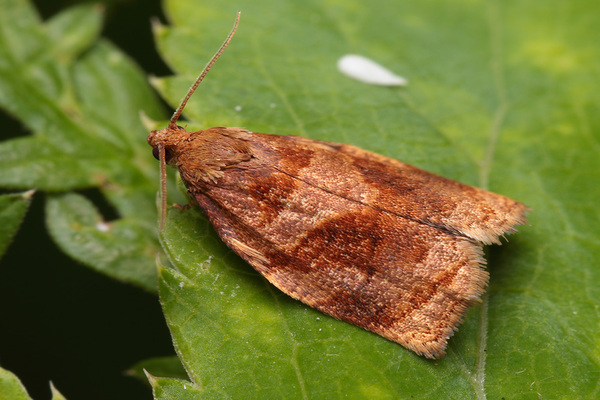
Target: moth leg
183, 207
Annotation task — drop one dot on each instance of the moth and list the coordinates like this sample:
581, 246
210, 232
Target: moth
364, 238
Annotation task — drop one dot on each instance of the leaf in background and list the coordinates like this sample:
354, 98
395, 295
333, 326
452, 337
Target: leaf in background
113, 247
81, 98
11, 387
501, 95
56, 395
12, 211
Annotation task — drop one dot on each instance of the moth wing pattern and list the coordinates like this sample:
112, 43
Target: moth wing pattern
310, 218
467, 210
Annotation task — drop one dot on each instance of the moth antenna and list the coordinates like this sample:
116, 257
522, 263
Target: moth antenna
173, 124
163, 186
175, 117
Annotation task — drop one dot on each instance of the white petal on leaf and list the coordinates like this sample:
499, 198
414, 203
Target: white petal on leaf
365, 70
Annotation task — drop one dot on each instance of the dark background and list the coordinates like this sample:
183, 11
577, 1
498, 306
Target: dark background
60, 321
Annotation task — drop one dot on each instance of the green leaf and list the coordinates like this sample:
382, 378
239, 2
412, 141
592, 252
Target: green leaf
74, 30
12, 211
81, 98
120, 249
173, 389
501, 95
56, 395
11, 387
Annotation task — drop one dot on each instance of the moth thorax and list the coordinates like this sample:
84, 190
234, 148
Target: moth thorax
217, 148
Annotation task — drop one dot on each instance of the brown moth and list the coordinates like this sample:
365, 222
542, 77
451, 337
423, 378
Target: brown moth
364, 238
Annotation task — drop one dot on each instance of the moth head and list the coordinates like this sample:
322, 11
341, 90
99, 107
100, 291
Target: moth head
168, 139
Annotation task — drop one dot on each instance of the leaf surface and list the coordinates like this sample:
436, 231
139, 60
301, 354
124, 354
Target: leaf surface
11, 387
501, 95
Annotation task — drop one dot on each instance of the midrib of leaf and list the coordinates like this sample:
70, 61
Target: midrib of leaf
496, 46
